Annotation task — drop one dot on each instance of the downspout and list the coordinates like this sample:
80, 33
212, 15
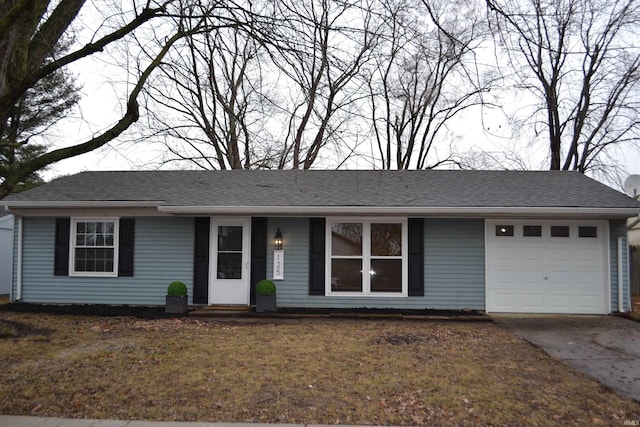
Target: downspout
18, 296
620, 275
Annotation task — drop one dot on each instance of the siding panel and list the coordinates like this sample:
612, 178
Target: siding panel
454, 268
163, 253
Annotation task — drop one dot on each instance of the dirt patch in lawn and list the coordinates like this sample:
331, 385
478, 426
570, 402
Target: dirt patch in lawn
312, 371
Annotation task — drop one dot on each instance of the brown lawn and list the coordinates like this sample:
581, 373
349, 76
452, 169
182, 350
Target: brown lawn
302, 371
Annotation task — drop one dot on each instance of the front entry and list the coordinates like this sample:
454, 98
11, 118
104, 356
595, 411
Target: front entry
229, 273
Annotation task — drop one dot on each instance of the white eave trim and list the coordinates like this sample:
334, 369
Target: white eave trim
400, 210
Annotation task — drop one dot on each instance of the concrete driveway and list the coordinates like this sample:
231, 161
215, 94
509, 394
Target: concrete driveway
606, 348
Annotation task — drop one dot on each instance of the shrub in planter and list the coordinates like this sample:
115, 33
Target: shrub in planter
265, 296
177, 298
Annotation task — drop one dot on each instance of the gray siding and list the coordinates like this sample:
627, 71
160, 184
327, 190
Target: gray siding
454, 268
163, 253
616, 227
455, 263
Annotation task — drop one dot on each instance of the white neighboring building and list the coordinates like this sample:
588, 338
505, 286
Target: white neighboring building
6, 253
634, 235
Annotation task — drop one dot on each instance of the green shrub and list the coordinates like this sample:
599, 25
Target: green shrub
266, 287
177, 289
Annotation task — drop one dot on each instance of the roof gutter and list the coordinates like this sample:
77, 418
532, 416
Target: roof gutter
399, 210
462, 211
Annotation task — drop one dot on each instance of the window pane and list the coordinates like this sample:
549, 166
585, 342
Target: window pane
346, 275
94, 260
532, 231
588, 231
230, 265
386, 239
230, 238
559, 231
346, 239
386, 275
95, 233
504, 230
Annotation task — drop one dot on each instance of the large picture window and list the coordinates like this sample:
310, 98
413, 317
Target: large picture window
93, 247
377, 247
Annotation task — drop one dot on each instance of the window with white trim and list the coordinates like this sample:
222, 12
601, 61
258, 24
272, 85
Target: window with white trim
376, 246
93, 247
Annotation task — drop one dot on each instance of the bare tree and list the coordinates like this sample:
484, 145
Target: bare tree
325, 45
206, 103
30, 29
241, 99
578, 61
29, 32
425, 75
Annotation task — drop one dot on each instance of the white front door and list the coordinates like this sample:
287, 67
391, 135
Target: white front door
230, 249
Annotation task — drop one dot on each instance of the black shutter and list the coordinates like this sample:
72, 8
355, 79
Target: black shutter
316, 256
61, 255
416, 257
125, 247
258, 253
201, 262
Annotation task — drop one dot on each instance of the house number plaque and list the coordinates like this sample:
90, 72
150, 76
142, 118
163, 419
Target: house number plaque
278, 265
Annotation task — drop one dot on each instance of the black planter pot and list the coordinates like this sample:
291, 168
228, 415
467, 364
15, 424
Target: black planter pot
265, 303
176, 304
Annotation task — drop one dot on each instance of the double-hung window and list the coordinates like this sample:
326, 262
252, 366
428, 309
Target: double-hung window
93, 247
367, 257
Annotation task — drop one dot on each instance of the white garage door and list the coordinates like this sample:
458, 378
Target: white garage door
546, 266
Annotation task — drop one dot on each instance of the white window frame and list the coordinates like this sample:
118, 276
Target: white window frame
366, 256
72, 247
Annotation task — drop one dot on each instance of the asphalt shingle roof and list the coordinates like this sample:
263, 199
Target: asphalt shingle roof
429, 188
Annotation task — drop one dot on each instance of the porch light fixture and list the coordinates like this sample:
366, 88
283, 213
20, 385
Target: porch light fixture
277, 241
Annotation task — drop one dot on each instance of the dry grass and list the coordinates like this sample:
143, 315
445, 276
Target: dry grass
310, 371
635, 313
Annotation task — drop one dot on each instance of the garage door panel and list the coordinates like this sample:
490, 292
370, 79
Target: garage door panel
505, 278
560, 301
587, 255
533, 253
588, 280
558, 254
544, 274
560, 278
592, 301
506, 254
532, 301
531, 279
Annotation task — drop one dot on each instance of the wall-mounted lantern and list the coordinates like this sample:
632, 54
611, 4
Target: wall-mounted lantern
277, 241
